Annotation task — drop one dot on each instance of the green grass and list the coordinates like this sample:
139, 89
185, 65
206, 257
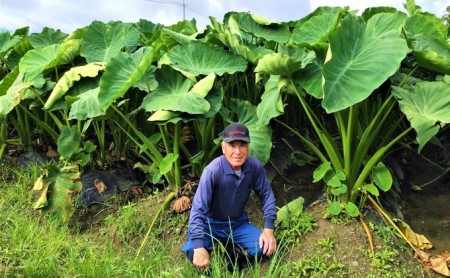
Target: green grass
34, 245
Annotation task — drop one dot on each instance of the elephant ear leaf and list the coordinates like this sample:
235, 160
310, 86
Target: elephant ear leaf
362, 57
287, 212
425, 106
56, 189
260, 135
123, 72
200, 58
70, 77
427, 37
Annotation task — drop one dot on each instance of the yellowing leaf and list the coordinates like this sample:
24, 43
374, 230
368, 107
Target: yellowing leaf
417, 240
39, 183
100, 185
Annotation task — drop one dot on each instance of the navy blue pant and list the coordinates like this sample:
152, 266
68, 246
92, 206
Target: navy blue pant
239, 231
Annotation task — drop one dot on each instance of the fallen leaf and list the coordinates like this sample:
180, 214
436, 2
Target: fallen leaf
440, 266
182, 204
424, 257
100, 185
418, 240
51, 152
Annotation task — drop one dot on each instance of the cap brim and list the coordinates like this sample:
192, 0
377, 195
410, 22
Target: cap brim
231, 139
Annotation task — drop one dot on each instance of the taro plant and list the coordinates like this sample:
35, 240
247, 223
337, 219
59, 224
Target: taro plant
59, 184
353, 67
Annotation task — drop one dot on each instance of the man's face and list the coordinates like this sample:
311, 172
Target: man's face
235, 152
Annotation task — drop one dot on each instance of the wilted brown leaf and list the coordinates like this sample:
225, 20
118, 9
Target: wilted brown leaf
100, 185
440, 266
182, 204
51, 152
419, 241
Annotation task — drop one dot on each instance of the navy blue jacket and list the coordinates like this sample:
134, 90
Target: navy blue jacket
222, 195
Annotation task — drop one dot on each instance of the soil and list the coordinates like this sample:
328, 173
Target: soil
351, 246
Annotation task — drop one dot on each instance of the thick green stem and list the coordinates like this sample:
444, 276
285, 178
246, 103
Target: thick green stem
100, 132
157, 156
305, 140
176, 152
325, 138
370, 134
371, 163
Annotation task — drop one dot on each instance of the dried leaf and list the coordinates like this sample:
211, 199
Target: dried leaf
100, 185
440, 266
182, 204
419, 241
445, 255
424, 257
51, 152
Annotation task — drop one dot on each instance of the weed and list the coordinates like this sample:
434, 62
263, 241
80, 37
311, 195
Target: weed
128, 222
317, 266
341, 219
299, 224
327, 243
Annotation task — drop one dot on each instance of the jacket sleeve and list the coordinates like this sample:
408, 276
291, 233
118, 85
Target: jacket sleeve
200, 207
264, 191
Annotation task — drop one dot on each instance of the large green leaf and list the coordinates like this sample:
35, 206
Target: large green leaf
87, 106
214, 98
315, 29
148, 82
362, 58
226, 35
426, 106
427, 36
70, 49
310, 77
287, 62
19, 49
47, 37
12, 88
286, 212
57, 187
271, 104
278, 64
69, 141
260, 135
7, 42
69, 78
121, 73
269, 31
173, 94
102, 42
201, 58
36, 61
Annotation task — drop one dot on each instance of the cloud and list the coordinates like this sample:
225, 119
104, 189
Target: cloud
435, 7
70, 15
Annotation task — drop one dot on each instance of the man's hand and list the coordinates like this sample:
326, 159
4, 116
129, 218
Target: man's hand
201, 258
267, 242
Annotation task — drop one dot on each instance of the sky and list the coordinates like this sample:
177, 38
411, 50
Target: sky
67, 15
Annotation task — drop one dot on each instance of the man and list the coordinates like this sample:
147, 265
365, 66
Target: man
218, 207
